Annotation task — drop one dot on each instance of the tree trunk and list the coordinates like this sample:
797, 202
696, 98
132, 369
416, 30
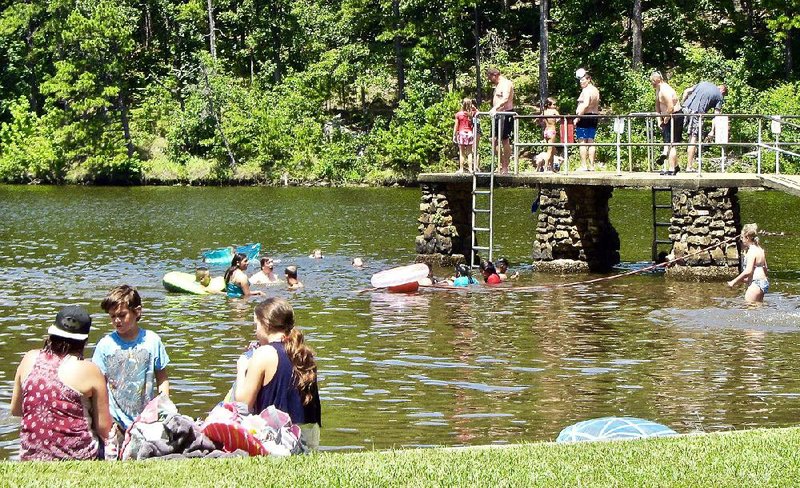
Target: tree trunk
148, 27
544, 49
126, 128
789, 60
33, 80
636, 32
478, 87
212, 35
217, 116
398, 52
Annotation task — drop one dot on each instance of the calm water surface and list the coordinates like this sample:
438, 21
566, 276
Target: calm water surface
433, 368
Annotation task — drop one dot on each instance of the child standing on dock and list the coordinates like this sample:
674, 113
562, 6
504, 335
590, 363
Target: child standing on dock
550, 130
133, 360
464, 133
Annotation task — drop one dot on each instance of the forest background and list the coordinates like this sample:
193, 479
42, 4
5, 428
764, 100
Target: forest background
342, 91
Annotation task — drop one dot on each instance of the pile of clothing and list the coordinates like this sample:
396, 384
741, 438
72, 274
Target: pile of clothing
271, 433
160, 432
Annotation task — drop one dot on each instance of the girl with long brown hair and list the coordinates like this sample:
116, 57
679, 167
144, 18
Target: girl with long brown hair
282, 371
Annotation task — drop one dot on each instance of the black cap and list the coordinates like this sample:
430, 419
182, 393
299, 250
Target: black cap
72, 322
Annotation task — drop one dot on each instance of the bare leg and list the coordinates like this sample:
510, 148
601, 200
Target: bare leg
754, 294
673, 158
505, 156
550, 153
584, 153
461, 151
592, 151
691, 150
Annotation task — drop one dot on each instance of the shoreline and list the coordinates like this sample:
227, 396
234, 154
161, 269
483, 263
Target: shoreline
735, 458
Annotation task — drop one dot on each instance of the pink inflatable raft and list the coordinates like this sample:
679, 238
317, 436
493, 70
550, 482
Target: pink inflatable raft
404, 279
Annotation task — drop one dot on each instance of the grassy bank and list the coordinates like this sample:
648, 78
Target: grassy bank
750, 458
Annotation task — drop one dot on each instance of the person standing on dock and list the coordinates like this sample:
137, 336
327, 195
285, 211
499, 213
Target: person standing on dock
671, 120
464, 134
699, 99
503, 125
586, 127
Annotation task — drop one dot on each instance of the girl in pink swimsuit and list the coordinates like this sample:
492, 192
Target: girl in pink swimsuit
464, 133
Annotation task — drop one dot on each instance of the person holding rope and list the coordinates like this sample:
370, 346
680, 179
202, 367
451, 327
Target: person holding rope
755, 269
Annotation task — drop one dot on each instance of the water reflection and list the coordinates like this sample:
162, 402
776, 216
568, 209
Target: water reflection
435, 367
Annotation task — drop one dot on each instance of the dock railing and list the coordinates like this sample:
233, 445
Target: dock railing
741, 142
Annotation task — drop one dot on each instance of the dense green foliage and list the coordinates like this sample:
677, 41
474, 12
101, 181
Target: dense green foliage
750, 458
339, 90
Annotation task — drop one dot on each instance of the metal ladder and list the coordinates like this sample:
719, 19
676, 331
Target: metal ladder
663, 223
483, 209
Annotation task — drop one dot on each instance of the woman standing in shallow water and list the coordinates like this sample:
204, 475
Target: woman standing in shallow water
755, 269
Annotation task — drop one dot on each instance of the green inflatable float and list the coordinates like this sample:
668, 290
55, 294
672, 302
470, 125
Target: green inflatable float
180, 282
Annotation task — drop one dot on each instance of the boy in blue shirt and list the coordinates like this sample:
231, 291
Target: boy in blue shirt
133, 360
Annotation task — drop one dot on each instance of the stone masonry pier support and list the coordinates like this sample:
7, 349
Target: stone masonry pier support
700, 219
574, 233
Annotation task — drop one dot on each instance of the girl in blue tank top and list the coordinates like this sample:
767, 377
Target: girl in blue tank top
282, 371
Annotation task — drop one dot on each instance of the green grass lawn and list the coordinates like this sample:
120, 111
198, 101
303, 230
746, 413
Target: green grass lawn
742, 459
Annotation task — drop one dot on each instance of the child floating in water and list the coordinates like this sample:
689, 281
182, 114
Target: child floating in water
489, 273
291, 278
502, 270
463, 276
316, 254
202, 275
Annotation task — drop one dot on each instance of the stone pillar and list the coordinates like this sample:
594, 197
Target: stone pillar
574, 232
702, 218
445, 223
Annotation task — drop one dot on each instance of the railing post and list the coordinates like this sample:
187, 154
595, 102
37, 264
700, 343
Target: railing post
777, 154
619, 128
630, 148
516, 147
699, 144
565, 141
494, 140
760, 142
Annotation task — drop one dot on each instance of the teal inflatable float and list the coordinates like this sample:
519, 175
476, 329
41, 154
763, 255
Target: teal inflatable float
224, 255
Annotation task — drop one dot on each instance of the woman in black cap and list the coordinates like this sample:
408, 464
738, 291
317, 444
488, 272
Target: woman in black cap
62, 399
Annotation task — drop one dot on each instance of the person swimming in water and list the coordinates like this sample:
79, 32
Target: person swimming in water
755, 268
236, 282
463, 276
292, 281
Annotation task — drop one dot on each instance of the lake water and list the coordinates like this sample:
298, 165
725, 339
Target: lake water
432, 368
